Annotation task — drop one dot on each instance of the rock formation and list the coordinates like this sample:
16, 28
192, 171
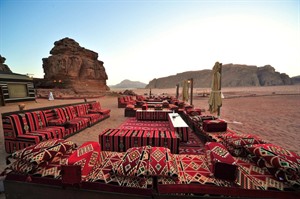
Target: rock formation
75, 67
129, 84
233, 75
296, 79
4, 67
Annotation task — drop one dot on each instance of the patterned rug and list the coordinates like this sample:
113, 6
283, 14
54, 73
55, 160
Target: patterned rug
193, 146
132, 123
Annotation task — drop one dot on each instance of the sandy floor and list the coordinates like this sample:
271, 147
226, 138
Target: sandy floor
270, 112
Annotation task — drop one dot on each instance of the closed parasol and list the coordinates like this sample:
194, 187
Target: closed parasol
215, 99
185, 91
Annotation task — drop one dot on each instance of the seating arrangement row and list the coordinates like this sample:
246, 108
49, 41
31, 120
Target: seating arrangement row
57, 167
249, 150
25, 128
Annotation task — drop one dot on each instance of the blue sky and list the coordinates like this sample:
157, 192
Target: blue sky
142, 40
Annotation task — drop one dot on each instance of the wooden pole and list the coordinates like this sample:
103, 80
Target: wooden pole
192, 88
219, 108
177, 91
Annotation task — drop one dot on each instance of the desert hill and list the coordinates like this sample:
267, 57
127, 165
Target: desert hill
296, 79
233, 75
129, 84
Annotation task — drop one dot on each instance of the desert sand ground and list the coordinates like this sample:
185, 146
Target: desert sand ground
273, 113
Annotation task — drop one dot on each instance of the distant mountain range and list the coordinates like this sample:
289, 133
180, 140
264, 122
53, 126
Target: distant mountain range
129, 84
233, 75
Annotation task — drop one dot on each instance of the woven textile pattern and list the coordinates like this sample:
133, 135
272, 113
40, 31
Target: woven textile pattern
87, 155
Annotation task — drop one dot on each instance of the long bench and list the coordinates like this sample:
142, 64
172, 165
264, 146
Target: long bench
122, 139
28, 127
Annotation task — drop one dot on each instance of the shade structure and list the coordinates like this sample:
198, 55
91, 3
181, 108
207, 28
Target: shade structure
215, 99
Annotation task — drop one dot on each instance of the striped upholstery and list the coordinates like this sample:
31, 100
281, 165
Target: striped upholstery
22, 129
82, 111
95, 107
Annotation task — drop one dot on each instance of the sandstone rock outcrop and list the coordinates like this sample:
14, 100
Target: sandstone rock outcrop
129, 84
233, 75
4, 67
75, 67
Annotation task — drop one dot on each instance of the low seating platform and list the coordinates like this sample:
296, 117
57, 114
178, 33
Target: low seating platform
121, 139
29, 127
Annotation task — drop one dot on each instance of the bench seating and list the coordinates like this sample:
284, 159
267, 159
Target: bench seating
122, 139
28, 127
138, 172
123, 101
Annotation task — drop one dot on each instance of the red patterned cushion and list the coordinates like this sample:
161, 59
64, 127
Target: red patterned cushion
277, 157
57, 122
239, 142
28, 152
134, 162
221, 163
217, 125
193, 112
86, 156
161, 163
22, 166
57, 150
147, 161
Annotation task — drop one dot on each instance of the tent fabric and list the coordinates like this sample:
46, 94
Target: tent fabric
185, 91
215, 99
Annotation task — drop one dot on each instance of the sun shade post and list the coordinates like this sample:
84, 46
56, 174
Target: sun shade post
191, 81
219, 108
177, 91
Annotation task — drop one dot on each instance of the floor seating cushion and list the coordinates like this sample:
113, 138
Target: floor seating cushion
217, 125
236, 143
284, 164
102, 172
82, 110
123, 139
24, 129
86, 156
95, 107
67, 117
147, 161
221, 163
37, 157
123, 101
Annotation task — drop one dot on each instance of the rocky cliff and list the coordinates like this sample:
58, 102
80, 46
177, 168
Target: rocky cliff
4, 67
233, 75
75, 67
296, 80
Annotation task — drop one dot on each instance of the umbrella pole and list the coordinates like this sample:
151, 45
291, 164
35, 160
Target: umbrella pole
177, 91
192, 87
219, 108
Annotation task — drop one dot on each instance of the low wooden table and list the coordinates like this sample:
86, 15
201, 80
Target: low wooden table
156, 115
178, 125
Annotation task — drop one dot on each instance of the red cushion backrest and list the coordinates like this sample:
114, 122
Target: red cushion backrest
95, 106
121, 99
49, 115
71, 112
61, 114
39, 119
81, 109
12, 126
